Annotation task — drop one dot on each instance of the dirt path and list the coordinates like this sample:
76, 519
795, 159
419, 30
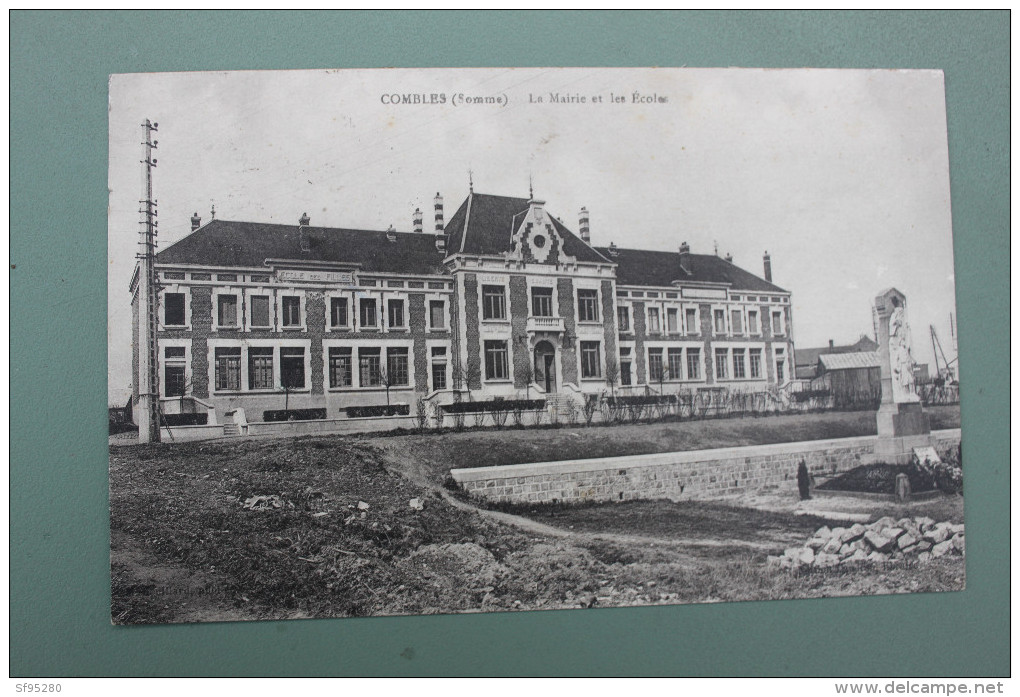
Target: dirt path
422, 473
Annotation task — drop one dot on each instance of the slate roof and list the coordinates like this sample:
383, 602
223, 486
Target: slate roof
644, 267
490, 225
233, 243
845, 361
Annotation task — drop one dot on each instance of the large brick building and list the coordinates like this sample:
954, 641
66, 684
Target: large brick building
501, 300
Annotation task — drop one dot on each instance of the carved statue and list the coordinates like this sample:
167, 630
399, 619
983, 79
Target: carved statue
901, 362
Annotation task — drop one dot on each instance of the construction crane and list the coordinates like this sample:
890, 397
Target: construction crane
943, 368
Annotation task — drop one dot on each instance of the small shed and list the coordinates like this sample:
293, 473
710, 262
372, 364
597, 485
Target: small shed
854, 379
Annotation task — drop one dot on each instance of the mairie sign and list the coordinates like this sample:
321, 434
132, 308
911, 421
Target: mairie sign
324, 276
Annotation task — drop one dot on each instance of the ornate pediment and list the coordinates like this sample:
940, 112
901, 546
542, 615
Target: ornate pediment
536, 239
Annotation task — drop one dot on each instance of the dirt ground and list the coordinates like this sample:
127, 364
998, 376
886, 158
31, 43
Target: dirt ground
365, 527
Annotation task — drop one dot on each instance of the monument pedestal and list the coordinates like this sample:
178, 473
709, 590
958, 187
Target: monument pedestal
901, 428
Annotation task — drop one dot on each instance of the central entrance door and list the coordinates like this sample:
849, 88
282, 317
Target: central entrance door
545, 366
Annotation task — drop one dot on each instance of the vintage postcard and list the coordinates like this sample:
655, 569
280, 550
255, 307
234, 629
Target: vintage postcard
471, 340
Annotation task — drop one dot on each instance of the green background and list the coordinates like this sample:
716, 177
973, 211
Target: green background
59, 527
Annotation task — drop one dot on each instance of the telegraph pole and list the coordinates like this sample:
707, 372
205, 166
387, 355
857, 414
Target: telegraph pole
148, 304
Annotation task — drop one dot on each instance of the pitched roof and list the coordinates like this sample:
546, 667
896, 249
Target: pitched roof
485, 224
644, 267
844, 361
232, 243
809, 356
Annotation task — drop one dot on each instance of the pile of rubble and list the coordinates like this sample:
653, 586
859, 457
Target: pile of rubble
887, 539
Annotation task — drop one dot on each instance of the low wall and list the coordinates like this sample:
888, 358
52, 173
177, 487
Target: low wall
688, 474
183, 433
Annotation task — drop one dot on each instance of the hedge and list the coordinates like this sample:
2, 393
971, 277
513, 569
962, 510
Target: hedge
378, 410
186, 419
505, 405
642, 400
293, 414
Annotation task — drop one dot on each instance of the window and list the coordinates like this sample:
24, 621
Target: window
625, 372
752, 322
495, 361
174, 376
692, 321
438, 367
653, 321
719, 317
738, 364
338, 316
623, 318
226, 310
292, 311
591, 361
228, 368
260, 368
655, 373
587, 305
693, 364
368, 317
493, 302
341, 369
736, 320
541, 302
369, 365
777, 323
175, 352
755, 355
260, 311
173, 309
292, 367
396, 366
395, 314
780, 366
676, 363
437, 314
720, 363
672, 320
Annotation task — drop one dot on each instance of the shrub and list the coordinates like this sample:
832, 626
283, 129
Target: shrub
808, 395
438, 414
378, 410
422, 414
185, 419
293, 414
591, 405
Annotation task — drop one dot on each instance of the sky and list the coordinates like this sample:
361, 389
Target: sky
841, 175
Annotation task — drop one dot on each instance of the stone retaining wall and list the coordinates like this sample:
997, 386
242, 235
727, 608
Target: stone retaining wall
689, 474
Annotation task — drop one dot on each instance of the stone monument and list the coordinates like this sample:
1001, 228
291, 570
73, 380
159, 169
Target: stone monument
902, 423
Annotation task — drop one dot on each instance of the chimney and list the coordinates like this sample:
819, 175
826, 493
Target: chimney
439, 214
729, 257
441, 243
306, 242
418, 221
391, 234
612, 249
768, 266
832, 344
584, 225
196, 222
685, 257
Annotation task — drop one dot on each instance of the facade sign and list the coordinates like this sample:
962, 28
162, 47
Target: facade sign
343, 277
703, 293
